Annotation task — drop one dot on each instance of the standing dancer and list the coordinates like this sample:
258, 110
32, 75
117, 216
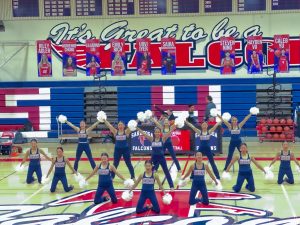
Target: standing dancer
285, 156
245, 171
34, 155
105, 183
148, 179
157, 155
235, 131
198, 169
204, 147
60, 171
168, 143
83, 142
121, 146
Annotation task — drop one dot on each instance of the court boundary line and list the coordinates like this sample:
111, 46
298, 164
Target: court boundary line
288, 200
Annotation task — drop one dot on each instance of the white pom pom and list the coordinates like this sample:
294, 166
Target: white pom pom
269, 175
101, 116
218, 120
78, 177
254, 110
127, 196
167, 199
213, 112
128, 183
148, 114
182, 183
19, 168
82, 183
132, 124
297, 168
141, 116
226, 176
62, 119
45, 180
179, 122
219, 186
226, 116
267, 169
184, 115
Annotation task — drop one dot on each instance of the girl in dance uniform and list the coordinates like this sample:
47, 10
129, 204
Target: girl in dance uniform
121, 146
158, 155
235, 140
83, 143
148, 179
165, 128
204, 143
60, 171
105, 183
198, 170
245, 171
285, 156
34, 155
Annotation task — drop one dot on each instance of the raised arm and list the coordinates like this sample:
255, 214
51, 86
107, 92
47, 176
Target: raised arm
211, 130
73, 126
93, 126
25, 157
295, 159
150, 138
228, 125
159, 183
231, 163
110, 127
156, 123
51, 168
168, 134
136, 183
211, 174
188, 173
257, 164
92, 173
193, 127
275, 158
112, 168
70, 166
245, 120
44, 154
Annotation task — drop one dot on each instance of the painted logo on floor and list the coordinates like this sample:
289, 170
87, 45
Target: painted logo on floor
123, 213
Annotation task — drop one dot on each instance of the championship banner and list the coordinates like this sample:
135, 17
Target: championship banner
227, 55
168, 55
255, 55
139, 144
44, 58
69, 58
143, 56
92, 57
281, 53
118, 59
215, 141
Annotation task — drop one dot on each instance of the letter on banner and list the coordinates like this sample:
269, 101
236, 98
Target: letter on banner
227, 55
281, 53
44, 58
69, 58
92, 57
118, 58
143, 56
168, 55
255, 55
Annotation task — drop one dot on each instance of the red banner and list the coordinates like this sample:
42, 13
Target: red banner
118, 57
69, 58
227, 55
281, 53
168, 55
44, 58
181, 140
143, 56
255, 56
92, 57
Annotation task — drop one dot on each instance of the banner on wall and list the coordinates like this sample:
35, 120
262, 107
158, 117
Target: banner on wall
255, 55
143, 56
118, 57
92, 57
44, 58
69, 58
215, 141
227, 55
281, 53
168, 55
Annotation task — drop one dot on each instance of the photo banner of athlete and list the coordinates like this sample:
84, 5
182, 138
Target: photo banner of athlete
44, 58
168, 55
92, 57
69, 58
227, 55
281, 53
143, 46
118, 57
255, 55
